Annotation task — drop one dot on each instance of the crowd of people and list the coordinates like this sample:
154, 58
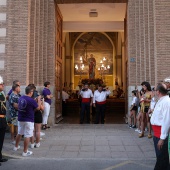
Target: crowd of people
142, 105
28, 114
89, 99
150, 109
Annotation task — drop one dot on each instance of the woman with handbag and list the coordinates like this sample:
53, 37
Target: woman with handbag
147, 99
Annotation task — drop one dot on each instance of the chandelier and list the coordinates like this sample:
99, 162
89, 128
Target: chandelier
79, 68
103, 67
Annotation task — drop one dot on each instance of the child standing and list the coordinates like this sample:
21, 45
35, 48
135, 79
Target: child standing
133, 109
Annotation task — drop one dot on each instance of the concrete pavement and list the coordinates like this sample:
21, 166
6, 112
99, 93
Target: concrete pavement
112, 146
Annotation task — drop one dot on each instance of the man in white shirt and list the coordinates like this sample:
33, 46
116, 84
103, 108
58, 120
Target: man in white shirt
160, 122
87, 101
99, 101
65, 96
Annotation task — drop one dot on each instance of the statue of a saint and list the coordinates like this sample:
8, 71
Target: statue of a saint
92, 65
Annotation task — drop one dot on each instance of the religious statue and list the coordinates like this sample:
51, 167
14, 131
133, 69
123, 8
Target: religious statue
92, 65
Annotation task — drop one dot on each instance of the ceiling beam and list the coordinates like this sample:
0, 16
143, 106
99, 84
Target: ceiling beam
89, 1
88, 26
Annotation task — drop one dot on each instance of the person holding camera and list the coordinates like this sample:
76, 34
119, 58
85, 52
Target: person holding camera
87, 101
26, 108
99, 101
37, 119
47, 103
147, 99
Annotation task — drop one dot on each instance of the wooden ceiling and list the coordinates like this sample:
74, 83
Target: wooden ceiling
89, 1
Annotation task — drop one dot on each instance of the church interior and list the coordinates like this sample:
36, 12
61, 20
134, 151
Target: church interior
93, 50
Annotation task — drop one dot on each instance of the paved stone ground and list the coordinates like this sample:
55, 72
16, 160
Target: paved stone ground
115, 143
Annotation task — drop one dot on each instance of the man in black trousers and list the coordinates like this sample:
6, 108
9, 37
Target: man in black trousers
3, 122
160, 121
99, 101
86, 102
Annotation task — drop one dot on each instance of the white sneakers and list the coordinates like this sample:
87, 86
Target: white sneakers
28, 153
13, 142
37, 145
16, 148
138, 130
42, 134
32, 145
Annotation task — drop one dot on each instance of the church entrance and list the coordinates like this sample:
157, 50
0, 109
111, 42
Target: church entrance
90, 45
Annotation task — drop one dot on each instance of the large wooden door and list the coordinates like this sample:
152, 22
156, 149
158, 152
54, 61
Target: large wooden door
58, 64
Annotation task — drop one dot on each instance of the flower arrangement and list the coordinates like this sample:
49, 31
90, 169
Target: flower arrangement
92, 81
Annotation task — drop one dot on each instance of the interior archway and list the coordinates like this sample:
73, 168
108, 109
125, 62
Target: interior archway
100, 45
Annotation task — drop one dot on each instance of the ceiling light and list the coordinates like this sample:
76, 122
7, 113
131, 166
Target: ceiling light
93, 14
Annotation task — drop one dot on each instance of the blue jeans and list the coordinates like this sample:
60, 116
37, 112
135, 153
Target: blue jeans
162, 161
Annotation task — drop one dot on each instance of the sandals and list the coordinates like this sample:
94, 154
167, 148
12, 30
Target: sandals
141, 135
149, 136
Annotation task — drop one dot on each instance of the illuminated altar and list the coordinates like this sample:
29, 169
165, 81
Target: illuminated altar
93, 59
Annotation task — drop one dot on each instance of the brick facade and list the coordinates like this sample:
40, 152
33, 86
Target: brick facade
42, 42
162, 30
148, 41
30, 42
16, 41
148, 30
3, 25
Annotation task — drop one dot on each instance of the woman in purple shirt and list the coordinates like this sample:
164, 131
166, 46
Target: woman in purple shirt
47, 103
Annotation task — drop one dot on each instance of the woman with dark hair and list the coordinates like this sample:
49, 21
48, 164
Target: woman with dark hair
141, 105
133, 109
37, 119
147, 99
47, 103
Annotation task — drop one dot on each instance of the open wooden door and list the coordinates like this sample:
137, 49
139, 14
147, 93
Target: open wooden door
58, 64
